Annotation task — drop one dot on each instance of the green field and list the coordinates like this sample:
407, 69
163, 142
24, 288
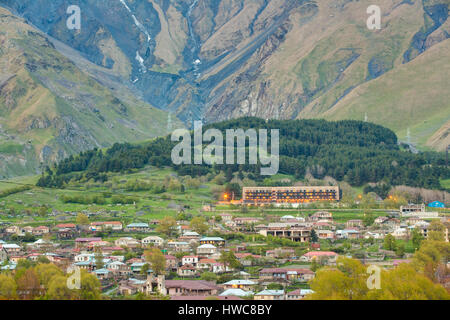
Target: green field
24, 207
445, 183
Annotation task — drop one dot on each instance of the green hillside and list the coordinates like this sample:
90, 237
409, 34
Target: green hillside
413, 95
351, 151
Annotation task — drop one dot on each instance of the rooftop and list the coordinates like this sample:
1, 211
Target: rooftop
236, 292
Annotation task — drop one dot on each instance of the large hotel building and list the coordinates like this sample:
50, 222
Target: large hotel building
261, 195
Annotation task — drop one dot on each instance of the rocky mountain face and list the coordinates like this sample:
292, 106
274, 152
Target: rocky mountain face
50, 108
220, 59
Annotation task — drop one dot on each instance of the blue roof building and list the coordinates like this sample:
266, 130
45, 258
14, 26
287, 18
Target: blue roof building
436, 204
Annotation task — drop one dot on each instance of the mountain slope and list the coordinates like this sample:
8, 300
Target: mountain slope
412, 97
50, 109
221, 59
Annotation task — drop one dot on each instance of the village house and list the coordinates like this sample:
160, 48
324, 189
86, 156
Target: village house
102, 274
424, 230
280, 253
230, 224
235, 293
16, 259
134, 260
15, 230
374, 235
11, 248
289, 218
260, 227
98, 245
99, 226
411, 221
412, 208
119, 268
183, 227
354, 223
246, 285
246, 258
70, 226
380, 220
321, 215
391, 223
281, 230
41, 230
132, 286
153, 240
189, 236
216, 241
178, 246
83, 257
348, 234
33, 256
41, 244
209, 208
206, 249
242, 221
226, 217
86, 265
115, 258
136, 267
65, 234
84, 242
400, 233
325, 234
298, 294
219, 267
27, 229
56, 258
286, 274
128, 242
110, 250
187, 270
138, 227
192, 260
324, 256
171, 262
189, 288
270, 295
319, 225
206, 264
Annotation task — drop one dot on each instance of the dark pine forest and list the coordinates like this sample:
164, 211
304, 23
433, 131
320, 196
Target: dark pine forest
352, 151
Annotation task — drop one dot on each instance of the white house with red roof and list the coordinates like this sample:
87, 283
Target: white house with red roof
193, 260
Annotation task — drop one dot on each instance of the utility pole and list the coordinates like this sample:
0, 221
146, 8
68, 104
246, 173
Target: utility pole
169, 122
